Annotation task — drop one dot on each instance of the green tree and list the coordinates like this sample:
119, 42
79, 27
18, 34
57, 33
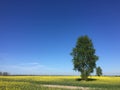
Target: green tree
98, 71
84, 58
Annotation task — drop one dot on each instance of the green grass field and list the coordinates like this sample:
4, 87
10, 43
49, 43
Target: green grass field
36, 82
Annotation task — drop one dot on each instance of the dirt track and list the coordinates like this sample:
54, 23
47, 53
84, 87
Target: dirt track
67, 87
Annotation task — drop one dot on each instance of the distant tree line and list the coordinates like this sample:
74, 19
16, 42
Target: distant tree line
4, 74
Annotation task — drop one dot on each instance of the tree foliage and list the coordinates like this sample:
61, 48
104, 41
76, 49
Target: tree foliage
98, 71
84, 58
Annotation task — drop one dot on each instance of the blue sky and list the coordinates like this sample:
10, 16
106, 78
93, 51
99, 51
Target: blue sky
37, 36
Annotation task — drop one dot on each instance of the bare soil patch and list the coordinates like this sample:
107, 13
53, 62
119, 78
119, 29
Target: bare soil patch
67, 87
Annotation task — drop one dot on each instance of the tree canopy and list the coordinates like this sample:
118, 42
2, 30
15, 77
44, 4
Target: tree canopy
84, 58
98, 71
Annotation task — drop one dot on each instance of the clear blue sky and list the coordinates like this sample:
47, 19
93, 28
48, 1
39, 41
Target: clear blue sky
37, 36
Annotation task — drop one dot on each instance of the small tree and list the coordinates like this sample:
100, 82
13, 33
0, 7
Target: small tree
84, 58
98, 71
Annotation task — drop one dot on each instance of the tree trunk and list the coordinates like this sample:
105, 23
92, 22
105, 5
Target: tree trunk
84, 76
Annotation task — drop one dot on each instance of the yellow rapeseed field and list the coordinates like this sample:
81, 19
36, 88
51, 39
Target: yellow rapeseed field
36, 82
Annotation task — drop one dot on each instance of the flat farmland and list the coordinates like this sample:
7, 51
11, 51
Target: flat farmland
58, 83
